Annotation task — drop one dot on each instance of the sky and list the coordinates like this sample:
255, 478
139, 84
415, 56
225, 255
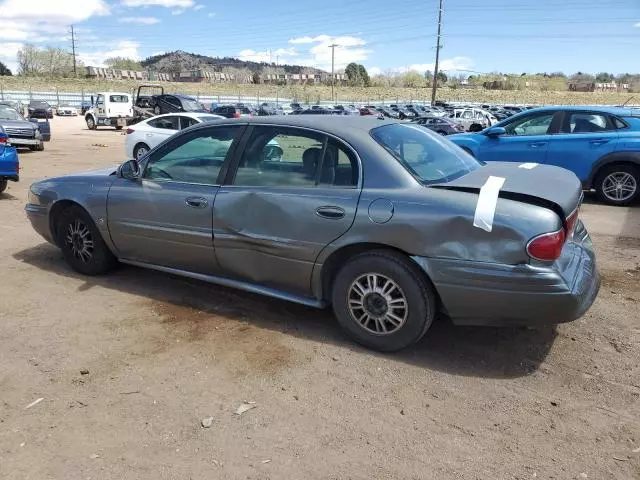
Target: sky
478, 36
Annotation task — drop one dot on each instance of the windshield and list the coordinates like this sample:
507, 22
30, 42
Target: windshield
189, 104
428, 156
8, 113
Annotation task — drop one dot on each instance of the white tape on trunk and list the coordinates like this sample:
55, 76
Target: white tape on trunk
487, 201
528, 166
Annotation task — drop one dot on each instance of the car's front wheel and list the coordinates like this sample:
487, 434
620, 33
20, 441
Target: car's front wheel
91, 124
3, 185
82, 244
140, 150
383, 301
618, 184
37, 148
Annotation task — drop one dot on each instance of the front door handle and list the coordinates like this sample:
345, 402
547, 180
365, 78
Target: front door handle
600, 141
196, 202
537, 144
330, 212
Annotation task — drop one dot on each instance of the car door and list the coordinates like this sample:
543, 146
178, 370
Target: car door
526, 140
165, 217
292, 192
584, 138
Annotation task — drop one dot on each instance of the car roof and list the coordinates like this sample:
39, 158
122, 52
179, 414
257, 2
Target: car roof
184, 114
620, 111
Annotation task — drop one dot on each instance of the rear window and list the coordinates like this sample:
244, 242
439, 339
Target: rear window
427, 156
118, 98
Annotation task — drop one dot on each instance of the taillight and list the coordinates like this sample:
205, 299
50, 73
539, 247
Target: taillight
572, 221
548, 246
4, 140
130, 131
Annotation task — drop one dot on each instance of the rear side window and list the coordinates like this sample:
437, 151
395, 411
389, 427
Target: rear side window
586, 122
167, 123
118, 98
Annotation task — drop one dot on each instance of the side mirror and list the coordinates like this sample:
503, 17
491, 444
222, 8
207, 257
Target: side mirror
129, 170
495, 132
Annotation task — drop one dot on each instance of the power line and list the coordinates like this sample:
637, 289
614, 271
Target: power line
438, 46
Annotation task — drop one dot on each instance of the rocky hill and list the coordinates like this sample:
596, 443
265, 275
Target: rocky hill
180, 61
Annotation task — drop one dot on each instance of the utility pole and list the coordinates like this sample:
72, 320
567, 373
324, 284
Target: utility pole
333, 76
438, 47
73, 49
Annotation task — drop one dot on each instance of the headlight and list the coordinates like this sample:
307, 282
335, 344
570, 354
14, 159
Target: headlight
33, 199
37, 133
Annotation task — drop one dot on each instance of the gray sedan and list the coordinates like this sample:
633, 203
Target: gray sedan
386, 222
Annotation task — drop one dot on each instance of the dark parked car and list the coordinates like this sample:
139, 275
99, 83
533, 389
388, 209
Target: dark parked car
22, 133
440, 125
232, 111
365, 111
40, 109
176, 103
387, 112
320, 111
385, 222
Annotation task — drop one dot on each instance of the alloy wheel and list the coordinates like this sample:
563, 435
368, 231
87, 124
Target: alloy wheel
79, 240
377, 304
141, 152
619, 186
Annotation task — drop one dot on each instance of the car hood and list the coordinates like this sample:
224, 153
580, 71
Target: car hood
98, 172
17, 124
544, 185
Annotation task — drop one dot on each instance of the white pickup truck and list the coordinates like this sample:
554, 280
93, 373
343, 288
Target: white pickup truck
110, 109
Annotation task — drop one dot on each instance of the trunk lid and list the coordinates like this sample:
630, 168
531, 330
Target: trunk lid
544, 185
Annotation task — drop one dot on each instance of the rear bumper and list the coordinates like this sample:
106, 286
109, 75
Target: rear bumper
39, 218
476, 293
9, 165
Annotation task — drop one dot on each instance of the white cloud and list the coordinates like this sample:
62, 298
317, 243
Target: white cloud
158, 3
374, 71
180, 11
124, 48
349, 49
39, 20
8, 53
249, 55
211, 14
199, 7
448, 65
155, 54
140, 20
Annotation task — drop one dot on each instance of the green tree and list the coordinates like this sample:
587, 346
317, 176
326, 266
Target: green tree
4, 70
442, 78
604, 77
580, 77
352, 72
363, 76
123, 63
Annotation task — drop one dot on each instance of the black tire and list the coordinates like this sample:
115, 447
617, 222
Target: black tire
633, 177
3, 185
414, 287
157, 110
119, 127
37, 148
91, 123
137, 148
98, 259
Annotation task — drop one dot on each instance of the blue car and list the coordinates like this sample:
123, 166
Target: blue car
601, 145
9, 166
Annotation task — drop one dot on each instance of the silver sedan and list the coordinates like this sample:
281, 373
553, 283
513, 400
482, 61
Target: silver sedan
386, 222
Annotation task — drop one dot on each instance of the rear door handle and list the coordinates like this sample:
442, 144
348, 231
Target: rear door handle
537, 144
196, 202
330, 212
599, 141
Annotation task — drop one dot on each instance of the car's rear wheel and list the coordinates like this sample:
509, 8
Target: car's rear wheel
140, 150
91, 123
383, 301
3, 185
82, 244
618, 184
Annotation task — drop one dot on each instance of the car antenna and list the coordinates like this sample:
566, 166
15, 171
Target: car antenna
628, 101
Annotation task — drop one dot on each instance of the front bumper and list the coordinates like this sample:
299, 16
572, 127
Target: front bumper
474, 293
24, 142
39, 218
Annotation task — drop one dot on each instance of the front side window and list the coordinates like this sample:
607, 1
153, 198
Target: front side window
428, 156
195, 157
166, 123
290, 157
530, 125
583, 122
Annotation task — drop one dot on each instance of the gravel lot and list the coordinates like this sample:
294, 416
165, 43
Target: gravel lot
128, 365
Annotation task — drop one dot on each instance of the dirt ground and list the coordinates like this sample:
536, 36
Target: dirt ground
128, 365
